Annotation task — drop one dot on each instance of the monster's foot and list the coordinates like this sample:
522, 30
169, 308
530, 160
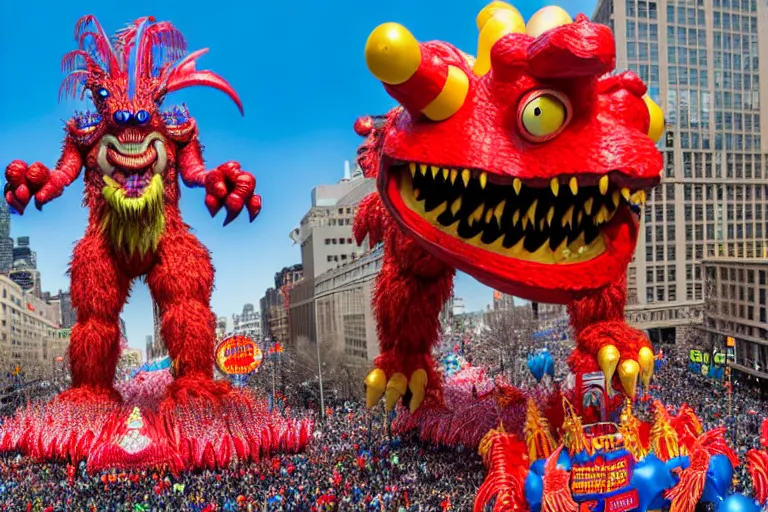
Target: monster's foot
612, 346
88, 394
195, 388
407, 377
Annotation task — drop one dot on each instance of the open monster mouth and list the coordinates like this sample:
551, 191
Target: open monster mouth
560, 222
131, 163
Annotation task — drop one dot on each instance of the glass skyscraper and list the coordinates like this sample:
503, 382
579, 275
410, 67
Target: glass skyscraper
701, 61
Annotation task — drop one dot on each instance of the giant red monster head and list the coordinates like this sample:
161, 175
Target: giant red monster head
527, 167
129, 138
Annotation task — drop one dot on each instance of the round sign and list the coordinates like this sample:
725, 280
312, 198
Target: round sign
238, 355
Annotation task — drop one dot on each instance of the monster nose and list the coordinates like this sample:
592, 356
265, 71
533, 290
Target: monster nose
123, 117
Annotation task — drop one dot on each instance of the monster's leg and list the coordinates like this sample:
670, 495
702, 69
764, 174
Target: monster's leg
604, 340
99, 291
411, 291
181, 282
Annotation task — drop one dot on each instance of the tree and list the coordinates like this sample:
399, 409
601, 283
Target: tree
508, 337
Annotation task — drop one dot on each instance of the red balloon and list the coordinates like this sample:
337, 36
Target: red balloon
364, 126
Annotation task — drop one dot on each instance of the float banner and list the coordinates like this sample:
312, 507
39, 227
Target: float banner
602, 475
238, 355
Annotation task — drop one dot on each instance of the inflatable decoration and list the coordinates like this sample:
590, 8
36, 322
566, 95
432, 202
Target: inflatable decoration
134, 155
527, 167
541, 364
238, 357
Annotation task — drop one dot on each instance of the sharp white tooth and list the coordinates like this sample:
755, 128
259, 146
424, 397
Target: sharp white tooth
574, 185
101, 160
483, 180
555, 186
412, 167
465, 175
162, 158
517, 185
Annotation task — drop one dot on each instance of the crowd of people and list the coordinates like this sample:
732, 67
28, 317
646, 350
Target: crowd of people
354, 464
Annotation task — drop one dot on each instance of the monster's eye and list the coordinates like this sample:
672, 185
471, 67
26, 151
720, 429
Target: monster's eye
142, 116
543, 115
102, 93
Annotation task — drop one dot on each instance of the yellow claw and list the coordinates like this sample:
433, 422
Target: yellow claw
646, 359
628, 373
396, 388
608, 360
418, 387
546, 19
375, 385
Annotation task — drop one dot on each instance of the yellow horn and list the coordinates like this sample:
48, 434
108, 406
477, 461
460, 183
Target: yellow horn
546, 19
451, 98
392, 53
490, 10
496, 25
657, 124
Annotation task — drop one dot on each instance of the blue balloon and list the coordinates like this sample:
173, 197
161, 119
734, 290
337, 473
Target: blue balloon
739, 503
719, 478
651, 478
549, 365
536, 366
534, 490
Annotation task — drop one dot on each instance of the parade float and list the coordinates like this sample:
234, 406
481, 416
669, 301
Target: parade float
528, 167
135, 154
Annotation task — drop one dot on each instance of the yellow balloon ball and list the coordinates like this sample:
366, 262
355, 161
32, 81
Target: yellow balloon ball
392, 53
543, 116
490, 9
657, 125
546, 19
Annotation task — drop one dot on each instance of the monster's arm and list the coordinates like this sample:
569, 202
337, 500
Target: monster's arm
371, 220
226, 186
24, 182
192, 165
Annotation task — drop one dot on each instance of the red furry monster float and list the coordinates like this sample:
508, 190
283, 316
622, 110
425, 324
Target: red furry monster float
134, 154
525, 168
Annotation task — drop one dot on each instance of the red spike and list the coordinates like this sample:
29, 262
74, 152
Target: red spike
185, 75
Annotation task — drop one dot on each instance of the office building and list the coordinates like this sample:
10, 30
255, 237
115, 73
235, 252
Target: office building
29, 334
6, 242
247, 323
275, 303
221, 327
326, 240
736, 308
502, 301
64, 302
701, 61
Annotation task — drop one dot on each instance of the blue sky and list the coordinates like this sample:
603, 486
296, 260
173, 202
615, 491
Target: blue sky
298, 68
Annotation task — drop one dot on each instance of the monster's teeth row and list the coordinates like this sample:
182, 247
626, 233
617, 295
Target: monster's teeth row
465, 177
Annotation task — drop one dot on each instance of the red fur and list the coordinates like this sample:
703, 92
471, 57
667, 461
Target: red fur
179, 272
507, 464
